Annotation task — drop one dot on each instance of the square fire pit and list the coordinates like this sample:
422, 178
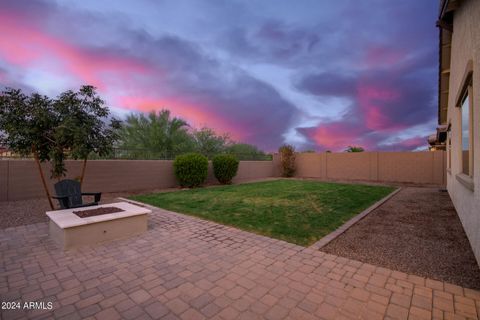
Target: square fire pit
69, 230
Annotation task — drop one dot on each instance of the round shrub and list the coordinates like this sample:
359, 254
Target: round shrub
225, 167
191, 169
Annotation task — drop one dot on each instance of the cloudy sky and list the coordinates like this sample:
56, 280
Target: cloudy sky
318, 74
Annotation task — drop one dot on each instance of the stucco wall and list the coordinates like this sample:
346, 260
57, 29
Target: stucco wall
19, 179
465, 47
406, 167
3, 180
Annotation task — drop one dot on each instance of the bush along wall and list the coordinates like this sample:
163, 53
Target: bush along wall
287, 160
191, 169
225, 167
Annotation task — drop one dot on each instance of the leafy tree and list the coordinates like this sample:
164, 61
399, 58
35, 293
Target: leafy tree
160, 133
166, 137
72, 125
83, 127
244, 151
354, 149
208, 143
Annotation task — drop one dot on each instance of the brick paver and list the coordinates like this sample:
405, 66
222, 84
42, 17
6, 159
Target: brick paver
187, 268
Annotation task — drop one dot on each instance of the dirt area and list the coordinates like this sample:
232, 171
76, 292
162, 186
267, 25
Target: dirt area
417, 231
17, 213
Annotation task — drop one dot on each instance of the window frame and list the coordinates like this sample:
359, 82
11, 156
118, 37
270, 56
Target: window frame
449, 147
466, 92
468, 99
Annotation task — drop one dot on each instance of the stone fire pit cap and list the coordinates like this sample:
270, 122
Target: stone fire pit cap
67, 219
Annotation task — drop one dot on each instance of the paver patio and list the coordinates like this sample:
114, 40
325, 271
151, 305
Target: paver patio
186, 268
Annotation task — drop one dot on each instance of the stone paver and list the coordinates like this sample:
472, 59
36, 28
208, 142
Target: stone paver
186, 268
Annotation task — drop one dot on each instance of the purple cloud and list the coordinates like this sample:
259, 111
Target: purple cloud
202, 62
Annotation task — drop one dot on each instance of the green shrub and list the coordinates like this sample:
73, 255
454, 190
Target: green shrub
225, 167
191, 169
287, 160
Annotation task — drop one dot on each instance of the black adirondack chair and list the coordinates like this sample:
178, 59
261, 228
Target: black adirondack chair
70, 195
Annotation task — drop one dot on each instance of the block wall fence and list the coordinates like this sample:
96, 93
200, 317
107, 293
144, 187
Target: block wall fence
19, 179
425, 168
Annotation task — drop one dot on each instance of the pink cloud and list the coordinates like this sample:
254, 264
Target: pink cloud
374, 103
27, 45
412, 143
195, 114
337, 136
377, 56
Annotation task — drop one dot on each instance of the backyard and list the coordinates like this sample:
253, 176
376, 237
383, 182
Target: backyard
191, 268
295, 211
239, 160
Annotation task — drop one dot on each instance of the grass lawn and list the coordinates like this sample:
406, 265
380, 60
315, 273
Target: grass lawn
296, 211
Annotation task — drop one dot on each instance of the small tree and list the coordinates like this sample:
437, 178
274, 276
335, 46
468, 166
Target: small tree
208, 143
287, 160
72, 125
244, 151
354, 149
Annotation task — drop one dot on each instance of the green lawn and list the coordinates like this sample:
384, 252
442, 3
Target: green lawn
296, 211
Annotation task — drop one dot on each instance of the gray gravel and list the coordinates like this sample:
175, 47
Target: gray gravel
417, 231
22, 212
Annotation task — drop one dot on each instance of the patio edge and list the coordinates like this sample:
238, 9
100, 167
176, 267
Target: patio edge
138, 203
347, 225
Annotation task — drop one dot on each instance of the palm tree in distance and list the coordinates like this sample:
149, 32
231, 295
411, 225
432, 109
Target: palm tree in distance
158, 133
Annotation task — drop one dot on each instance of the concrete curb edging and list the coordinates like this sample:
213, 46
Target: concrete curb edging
141, 204
344, 227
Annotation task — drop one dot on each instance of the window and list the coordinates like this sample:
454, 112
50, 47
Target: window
464, 102
466, 135
449, 149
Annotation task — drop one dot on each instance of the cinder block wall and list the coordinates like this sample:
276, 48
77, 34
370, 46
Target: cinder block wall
19, 179
404, 167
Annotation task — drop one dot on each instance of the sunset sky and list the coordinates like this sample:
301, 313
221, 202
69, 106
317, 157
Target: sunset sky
317, 74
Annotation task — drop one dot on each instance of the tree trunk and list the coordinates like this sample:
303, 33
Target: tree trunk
83, 170
43, 179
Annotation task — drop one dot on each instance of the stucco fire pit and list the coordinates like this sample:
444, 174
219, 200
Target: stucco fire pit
69, 230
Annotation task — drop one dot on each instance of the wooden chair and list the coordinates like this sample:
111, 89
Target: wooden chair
70, 195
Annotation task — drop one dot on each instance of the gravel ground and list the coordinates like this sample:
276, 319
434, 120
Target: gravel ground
17, 213
417, 231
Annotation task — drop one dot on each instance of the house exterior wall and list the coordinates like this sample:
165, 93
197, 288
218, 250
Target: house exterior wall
3, 180
465, 47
